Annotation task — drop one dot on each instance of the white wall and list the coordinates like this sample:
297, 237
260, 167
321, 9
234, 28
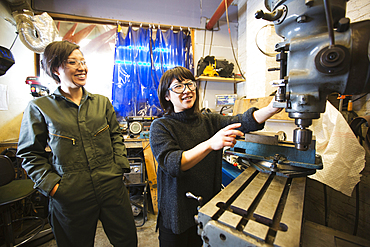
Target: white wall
14, 79
167, 12
253, 63
221, 49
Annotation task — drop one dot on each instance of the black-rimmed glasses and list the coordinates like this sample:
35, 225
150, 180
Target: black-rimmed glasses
180, 88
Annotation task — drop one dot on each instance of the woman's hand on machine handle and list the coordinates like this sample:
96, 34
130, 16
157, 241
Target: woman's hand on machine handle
265, 113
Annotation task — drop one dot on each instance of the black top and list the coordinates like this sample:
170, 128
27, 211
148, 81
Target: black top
169, 137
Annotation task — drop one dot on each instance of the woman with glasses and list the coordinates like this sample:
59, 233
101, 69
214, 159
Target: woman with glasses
82, 175
188, 148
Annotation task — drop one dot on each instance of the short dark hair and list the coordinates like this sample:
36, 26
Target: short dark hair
180, 74
55, 54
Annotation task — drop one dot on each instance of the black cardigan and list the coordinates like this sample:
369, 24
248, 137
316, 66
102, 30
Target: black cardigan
169, 137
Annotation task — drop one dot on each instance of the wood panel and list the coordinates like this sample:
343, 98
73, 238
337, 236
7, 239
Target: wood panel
151, 169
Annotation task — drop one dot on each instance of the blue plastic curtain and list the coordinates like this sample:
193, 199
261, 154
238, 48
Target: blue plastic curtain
140, 61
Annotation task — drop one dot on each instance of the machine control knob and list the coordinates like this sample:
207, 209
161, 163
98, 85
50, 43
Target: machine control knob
333, 60
273, 16
332, 57
259, 14
343, 25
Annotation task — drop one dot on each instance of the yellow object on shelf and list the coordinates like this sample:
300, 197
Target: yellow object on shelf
210, 71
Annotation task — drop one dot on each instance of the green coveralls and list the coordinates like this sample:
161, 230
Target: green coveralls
87, 159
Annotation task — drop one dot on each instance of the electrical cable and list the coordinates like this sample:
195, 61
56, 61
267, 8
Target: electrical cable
201, 7
269, 54
155, 167
204, 42
357, 130
141, 150
326, 205
357, 187
204, 91
231, 42
359, 97
224, 107
210, 45
14, 40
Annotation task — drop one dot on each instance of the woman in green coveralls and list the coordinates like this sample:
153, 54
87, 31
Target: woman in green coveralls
188, 147
82, 176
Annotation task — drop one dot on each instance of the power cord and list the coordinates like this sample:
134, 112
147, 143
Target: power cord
225, 107
204, 91
231, 42
210, 45
14, 40
204, 42
269, 54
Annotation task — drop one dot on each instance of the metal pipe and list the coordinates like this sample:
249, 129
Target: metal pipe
19, 5
218, 13
35, 32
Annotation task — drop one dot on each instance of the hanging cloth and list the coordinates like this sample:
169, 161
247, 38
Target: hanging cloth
140, 62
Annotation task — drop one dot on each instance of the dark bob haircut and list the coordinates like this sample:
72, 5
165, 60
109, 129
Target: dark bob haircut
55, 54
180, 74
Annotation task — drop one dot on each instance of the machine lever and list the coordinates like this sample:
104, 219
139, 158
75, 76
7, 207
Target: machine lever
329, 22
198, 198
273, 16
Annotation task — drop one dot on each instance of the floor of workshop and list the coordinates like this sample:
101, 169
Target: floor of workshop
147, 235
314, 235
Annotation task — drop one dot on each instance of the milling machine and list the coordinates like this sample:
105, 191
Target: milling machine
322, 52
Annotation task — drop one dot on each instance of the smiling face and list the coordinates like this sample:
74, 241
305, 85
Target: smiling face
73, 73
184, 100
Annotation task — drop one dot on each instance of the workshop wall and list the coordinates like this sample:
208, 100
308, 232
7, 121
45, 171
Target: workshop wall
191, 13
167, 12
253, 63
215, 44
14, 79
19, 92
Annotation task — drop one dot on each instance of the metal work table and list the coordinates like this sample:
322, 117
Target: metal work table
255, 209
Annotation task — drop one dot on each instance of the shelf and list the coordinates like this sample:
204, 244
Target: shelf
219, 79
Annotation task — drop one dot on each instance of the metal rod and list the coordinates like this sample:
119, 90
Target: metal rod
329, 22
